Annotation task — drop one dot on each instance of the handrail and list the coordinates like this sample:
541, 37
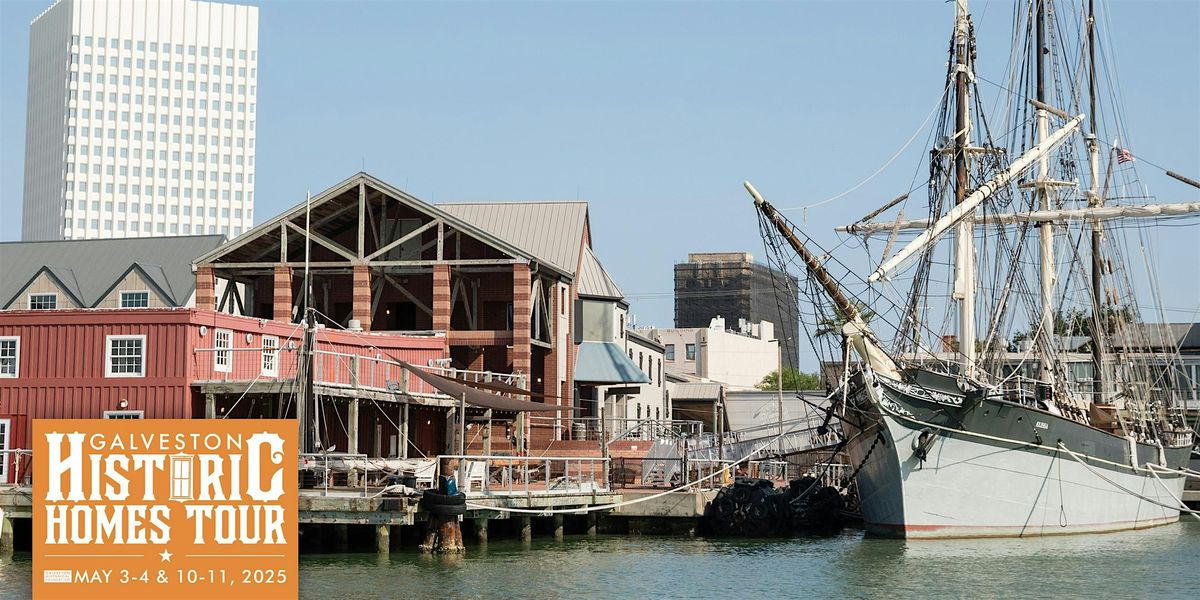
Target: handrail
531, 475
324, 460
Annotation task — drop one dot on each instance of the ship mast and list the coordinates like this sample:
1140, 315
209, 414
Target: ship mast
1046, 230
1095, 200
964, 247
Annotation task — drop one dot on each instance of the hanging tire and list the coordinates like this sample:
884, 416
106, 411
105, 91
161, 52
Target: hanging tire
742, 494
446, 510
433, 499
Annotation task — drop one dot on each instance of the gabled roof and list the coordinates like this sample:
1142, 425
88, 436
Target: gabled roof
550, 231
324, 205
594, 281
88, 269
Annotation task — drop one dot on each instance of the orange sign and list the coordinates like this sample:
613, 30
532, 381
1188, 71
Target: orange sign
163, 508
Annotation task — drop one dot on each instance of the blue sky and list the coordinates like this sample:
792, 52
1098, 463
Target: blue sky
653, 112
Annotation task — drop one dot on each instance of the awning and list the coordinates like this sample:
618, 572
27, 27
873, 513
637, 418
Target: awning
480, 398
605, 363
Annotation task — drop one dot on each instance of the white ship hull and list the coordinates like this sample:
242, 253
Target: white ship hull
975, 486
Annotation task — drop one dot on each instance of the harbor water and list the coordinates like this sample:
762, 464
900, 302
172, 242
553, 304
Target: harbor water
1158, 563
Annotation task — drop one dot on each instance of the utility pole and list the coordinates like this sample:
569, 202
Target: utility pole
779, 381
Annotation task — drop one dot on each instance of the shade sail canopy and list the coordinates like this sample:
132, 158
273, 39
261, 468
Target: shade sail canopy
605, 363
480, 398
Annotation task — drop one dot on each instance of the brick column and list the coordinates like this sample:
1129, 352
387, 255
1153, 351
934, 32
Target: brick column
441, 297
521, 328
362, 296
206, 289
282, 294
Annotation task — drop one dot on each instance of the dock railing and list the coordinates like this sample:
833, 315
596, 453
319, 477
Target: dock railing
16, 470
340, 471
611, 429
530, 475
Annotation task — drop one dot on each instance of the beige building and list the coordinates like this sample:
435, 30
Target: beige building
739, 358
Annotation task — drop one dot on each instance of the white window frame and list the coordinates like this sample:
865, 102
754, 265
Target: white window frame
222, 355
123, 293
108, 340
16, 357
5, 443
124, 414
272, 353
29, 300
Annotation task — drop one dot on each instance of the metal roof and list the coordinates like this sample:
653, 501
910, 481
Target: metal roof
594, 281
550, 231
696, 391
605, 362
88, 269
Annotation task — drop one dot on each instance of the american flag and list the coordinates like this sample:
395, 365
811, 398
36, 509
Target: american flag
1124, 155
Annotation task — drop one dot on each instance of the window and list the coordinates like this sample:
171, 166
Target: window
125, 356
690, 351
270, 355
5, 428
10, 356
223, 356
43, 301
124, 414
670, 353
135, 299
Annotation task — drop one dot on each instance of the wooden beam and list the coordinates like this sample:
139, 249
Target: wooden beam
324, 241
407, 294
283, 257
440, 239
362, 218
478, 262
409, 236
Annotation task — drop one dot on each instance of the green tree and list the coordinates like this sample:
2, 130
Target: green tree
792, 380
833, 325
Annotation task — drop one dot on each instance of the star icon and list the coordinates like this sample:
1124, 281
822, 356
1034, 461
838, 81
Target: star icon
166, 555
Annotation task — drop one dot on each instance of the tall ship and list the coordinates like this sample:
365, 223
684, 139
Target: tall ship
992, 376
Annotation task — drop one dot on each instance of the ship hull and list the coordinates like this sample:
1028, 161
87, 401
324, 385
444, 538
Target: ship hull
997, 474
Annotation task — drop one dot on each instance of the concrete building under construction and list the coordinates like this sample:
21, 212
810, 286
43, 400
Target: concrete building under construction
733, 286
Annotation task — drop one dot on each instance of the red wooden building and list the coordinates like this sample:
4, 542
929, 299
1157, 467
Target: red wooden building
184, 363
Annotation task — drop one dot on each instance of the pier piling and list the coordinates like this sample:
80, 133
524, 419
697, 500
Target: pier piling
592, 519
383, 539
6, 535
525, 525
558, 526
481, 530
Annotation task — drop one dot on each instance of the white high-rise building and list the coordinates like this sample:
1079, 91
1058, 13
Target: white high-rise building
141, 119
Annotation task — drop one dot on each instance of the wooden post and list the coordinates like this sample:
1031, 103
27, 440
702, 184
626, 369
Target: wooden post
520, 426
383, 539
352, 427
558, 526
487, 432
210, 406
525, 524
593, 518
451, 431
481, 529
6, 535
404, 428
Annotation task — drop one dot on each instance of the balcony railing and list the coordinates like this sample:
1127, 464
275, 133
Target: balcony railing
330, 368
611, 430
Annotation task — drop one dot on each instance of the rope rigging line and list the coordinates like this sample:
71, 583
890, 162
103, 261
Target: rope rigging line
887, 164
1075, 456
